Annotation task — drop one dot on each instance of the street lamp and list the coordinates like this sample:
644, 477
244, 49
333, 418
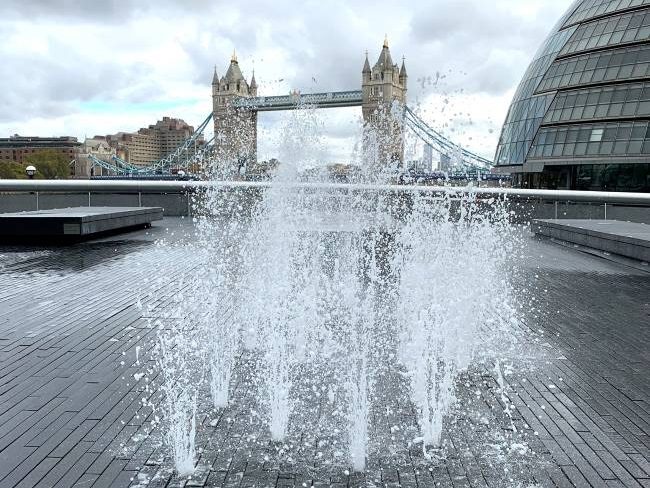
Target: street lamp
31, 171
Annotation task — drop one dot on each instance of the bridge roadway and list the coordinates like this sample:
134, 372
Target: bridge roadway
71, 413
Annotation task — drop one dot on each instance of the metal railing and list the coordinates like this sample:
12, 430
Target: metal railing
139, 186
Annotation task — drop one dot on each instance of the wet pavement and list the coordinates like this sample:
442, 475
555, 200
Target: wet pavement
77, 380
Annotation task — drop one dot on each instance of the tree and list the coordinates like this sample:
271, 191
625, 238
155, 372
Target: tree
50, 164
10, 170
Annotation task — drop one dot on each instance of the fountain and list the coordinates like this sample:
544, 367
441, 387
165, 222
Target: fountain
339, 288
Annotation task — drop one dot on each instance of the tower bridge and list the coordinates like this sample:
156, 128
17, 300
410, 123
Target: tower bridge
236, 104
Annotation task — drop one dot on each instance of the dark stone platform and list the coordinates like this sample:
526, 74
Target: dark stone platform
78, 324
76, 222
628, 239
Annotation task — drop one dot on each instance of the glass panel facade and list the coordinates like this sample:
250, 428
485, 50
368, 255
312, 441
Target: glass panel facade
614, 65
613, 177
588, 177
527, 110
630, 100
592, 140
610, 31
590, 9
526, 117
585, 100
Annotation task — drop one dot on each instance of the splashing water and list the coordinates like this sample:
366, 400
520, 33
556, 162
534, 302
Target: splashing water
177, 358
453, 268
344, 283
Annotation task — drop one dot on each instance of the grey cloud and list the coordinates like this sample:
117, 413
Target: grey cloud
496, 44
481, 25
47, 86
91, 10
322, 46
324, 42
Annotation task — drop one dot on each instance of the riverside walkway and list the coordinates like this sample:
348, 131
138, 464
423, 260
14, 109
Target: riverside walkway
77, 381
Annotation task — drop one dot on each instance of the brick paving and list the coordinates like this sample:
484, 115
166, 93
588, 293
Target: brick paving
73, 335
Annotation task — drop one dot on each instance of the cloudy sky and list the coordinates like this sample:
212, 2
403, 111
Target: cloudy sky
85, 67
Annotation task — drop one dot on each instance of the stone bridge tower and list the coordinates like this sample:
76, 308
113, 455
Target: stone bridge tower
235, 129
384, 93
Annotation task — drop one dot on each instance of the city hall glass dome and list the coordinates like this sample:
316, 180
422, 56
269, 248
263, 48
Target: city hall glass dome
579, 119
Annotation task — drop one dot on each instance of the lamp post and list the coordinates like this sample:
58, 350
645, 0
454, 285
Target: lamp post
31, 171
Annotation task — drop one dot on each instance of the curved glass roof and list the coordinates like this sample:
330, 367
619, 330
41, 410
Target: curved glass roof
527, 110
610, 31
589, 9
629, 100
620, 64
591, 73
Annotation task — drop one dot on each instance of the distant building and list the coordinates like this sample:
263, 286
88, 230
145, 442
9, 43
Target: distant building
17, 148
445, 162
427, 157
100, 149
151, 143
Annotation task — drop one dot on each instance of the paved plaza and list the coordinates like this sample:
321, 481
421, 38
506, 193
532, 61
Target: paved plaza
77, 380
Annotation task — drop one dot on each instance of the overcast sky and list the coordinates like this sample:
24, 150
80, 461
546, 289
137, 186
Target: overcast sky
85, 67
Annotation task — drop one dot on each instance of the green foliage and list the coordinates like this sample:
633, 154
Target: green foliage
50, 164
10, 170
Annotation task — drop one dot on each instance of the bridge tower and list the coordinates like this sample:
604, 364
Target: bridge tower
235, 129
384, 93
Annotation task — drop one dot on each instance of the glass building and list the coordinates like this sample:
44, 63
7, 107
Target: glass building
580, 117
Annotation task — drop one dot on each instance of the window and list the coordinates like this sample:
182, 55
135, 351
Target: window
618, 64
592, 140
630, 100
596, 135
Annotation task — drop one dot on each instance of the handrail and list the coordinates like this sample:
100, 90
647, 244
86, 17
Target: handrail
143, 186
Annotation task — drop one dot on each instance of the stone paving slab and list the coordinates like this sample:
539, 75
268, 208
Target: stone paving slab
75, 327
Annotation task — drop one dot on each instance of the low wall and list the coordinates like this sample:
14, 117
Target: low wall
188, 198
529, 210
174, 204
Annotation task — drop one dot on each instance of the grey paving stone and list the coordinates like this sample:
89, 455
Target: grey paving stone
109, 476
643, 463
67, 418
34, 477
